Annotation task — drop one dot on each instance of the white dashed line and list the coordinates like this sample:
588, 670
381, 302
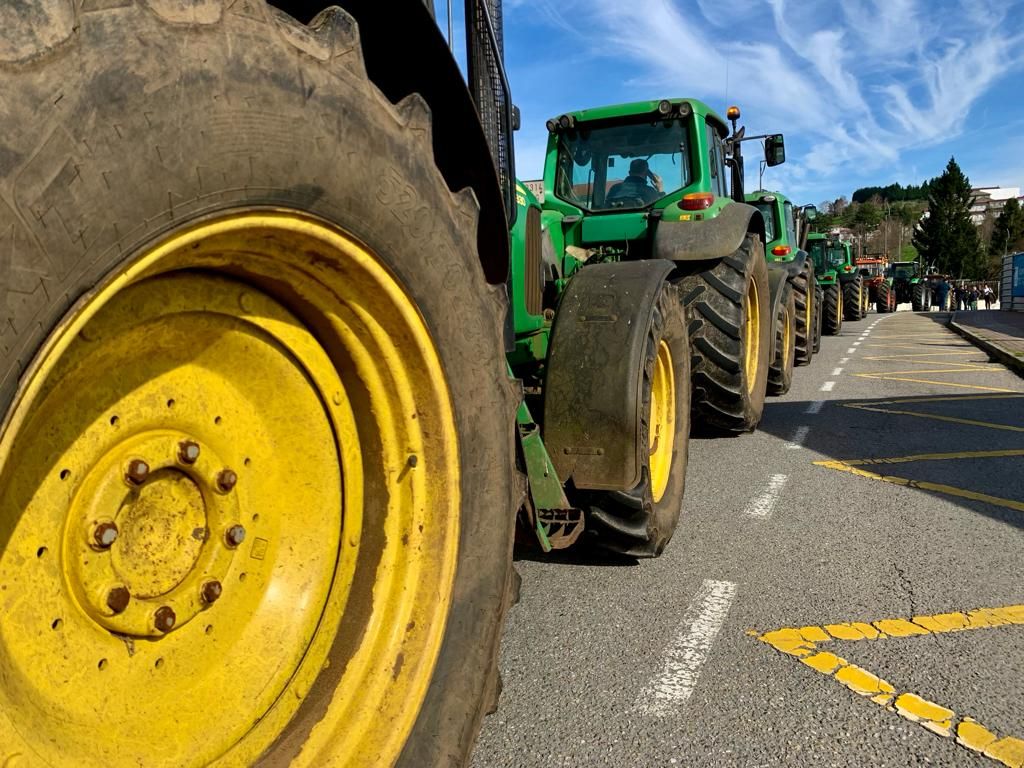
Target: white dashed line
764, 504
837, 371
827, 386
798, 438
815, 407
844, 360
667, 693
856, 343
851, 350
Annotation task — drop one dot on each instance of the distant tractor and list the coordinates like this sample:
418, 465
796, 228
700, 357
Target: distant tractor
828, 257
878, 284
910, 286
782, 249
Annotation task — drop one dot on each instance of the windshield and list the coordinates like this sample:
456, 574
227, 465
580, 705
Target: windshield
827, 254
622, 166
768, 214
905, 271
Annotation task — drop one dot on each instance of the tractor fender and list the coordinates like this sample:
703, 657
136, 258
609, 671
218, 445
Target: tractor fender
713, 238
592, 392
848, 277
795, 266
778, 276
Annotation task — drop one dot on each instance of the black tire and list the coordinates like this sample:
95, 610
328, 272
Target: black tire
885, 298
920, 298
819, 302
853, 299
727, 394
634, 522
129, 122
832, 314
780, 372
806, 308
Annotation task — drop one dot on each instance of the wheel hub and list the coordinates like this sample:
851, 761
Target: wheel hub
139, 543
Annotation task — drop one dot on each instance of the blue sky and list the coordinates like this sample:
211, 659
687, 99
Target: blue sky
866, 91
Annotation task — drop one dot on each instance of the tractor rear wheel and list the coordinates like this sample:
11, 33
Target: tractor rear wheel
920, 298
853, 299
256, 431
832, 316
806, 307
819, 301
780, 373
885, 298
640, 522
729, 332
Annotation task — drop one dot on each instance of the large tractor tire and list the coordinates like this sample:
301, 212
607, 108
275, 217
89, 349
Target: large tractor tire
853, 299
819, 309
832, 314
886, 298
920, 297
640, 522
729, 327
257, 469
780, 372
806, 307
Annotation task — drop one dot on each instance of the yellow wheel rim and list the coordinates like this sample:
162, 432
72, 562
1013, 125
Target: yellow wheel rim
229, 502
809, 312
662, 421
787, 330
752, 340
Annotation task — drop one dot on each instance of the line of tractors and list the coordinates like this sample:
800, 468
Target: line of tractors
288, 356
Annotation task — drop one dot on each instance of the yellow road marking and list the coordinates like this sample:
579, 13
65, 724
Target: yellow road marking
924, 485
921, 354
931, 381
936, 457
935, 416
941, 399
802, 643
965, 368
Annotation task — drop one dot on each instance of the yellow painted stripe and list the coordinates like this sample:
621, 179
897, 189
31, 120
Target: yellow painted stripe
964, 368
938, 719
941, 399
924, 485
921, 354
936, 457
938, 417
930, 381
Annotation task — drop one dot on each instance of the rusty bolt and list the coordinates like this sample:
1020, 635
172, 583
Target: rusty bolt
226, 480
138, 471
211, 591
235, 535
188, 452
118, 599
104, 535
164, 618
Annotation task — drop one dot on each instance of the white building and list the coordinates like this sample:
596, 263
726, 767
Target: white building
990, 200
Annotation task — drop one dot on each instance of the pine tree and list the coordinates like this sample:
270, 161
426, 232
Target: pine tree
1008, 230
947, 238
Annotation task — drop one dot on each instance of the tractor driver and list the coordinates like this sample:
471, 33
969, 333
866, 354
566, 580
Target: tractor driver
635, 185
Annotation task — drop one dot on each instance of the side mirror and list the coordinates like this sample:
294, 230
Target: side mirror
810, 212
517, 118
774, 150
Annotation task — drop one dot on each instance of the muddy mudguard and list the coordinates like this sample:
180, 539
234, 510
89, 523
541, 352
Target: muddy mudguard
709, 238
592, 398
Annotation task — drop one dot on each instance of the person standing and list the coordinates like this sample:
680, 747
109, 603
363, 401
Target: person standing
942, 294
988, 297
974, 297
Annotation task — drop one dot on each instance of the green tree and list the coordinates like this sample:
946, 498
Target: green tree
947, 237
1008, 230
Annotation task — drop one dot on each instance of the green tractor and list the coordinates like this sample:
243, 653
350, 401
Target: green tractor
783, 221
846, 295
651, 180
259, 440
910, 286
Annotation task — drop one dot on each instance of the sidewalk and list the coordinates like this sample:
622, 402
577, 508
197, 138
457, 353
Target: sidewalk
1001, 334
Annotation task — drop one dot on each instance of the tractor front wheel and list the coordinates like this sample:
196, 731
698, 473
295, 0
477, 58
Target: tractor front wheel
640, 522
853, 299
257, 473
806, 307
921, 299
819, 301
728, 304
832, 317
780, 373
885, 298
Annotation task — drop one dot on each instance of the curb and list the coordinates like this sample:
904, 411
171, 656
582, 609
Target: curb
997, 353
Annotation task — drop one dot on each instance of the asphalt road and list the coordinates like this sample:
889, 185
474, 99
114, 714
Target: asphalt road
678, 661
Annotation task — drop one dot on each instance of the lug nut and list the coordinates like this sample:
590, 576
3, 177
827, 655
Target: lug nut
138, 471
226, 480
235, 535
164, 618
188, 452
118, 599
211, 591
104, 535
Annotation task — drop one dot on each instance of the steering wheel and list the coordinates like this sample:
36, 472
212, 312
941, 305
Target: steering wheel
626, 201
